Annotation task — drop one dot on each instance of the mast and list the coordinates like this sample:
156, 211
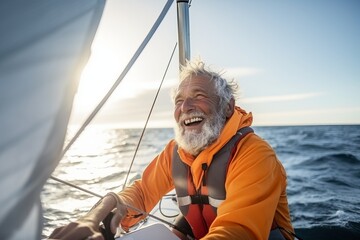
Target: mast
183, 30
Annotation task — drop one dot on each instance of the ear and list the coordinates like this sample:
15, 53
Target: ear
230, 108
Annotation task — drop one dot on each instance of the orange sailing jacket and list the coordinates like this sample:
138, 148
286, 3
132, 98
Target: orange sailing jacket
255, 185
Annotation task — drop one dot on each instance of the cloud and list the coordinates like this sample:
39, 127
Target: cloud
281, 98
241, 72
309, 116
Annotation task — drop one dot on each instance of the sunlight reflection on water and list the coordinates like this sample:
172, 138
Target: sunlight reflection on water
98, 161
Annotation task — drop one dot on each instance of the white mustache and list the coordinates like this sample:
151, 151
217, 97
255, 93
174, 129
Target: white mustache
185, 116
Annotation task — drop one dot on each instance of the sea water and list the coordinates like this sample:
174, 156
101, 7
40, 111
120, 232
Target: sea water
322, 164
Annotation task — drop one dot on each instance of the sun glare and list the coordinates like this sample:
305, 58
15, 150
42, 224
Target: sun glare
97, 77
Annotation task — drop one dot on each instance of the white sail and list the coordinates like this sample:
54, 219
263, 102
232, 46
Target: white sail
44, 45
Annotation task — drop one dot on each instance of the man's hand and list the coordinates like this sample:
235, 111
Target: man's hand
87, 227
79, 230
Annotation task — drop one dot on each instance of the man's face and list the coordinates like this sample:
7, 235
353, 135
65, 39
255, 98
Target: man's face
195, 95
197, 114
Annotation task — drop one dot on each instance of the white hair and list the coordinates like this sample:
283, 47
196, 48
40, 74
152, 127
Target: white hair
226, 89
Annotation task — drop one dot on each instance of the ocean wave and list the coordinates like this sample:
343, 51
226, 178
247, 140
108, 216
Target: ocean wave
351, 231
336, 158
331, 160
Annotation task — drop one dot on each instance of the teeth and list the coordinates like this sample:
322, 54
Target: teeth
192, 120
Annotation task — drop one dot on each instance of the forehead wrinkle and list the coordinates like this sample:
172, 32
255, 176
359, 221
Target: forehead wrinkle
184, 84
188, 80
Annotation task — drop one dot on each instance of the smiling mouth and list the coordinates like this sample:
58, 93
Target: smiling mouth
193, 121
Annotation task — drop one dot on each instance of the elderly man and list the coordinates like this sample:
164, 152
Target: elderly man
229, 182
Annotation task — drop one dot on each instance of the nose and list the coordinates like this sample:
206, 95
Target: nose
187, 105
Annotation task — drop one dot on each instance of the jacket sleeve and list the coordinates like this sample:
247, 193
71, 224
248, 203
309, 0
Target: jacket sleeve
155, 182
254, 183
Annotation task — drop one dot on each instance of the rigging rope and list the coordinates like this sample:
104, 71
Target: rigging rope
120, 78
126, 205
148, 117
106, 97
147, 120
122, 75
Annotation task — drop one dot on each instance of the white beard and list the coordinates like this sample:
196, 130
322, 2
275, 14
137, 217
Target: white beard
194, 142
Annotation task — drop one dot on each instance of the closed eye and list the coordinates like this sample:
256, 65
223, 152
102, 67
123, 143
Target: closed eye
178, 101
200, 96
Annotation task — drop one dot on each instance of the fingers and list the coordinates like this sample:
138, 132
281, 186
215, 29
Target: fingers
122, 209
61, 232
119, 214
115, 221
55, 232
76, 231
96, 236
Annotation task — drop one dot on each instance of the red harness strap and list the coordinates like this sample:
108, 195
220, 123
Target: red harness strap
194, 215
199, 207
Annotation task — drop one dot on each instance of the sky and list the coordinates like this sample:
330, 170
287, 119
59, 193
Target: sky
296, 62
